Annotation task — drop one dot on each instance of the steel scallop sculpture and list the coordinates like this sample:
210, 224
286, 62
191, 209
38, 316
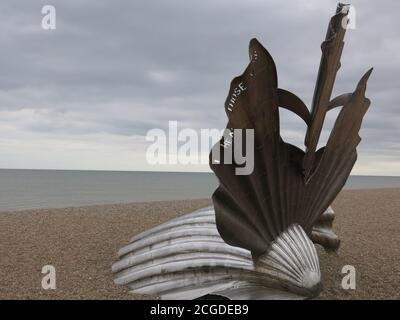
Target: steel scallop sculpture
257, 241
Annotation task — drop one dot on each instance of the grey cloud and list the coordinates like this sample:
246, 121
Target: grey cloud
124, 67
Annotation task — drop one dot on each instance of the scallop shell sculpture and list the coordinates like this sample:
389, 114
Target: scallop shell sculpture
256, 242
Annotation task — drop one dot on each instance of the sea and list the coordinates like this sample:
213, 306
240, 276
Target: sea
35, 189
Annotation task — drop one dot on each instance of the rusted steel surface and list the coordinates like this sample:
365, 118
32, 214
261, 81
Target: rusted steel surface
287, 186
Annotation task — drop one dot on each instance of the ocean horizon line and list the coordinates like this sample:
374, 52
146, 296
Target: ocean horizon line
161, 171
22, 189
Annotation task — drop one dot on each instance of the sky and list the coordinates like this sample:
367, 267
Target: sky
84, 95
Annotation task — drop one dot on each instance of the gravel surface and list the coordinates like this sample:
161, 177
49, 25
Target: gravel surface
82, 243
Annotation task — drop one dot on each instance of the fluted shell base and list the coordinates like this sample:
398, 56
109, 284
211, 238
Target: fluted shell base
293, 262
186, 258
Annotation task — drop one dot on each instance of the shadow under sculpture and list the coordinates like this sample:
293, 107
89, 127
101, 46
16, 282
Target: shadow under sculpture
257, 240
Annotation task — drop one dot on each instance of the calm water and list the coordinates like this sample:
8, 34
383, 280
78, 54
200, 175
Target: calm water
32, 189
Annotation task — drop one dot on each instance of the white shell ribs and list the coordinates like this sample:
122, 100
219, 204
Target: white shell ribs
186, 258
